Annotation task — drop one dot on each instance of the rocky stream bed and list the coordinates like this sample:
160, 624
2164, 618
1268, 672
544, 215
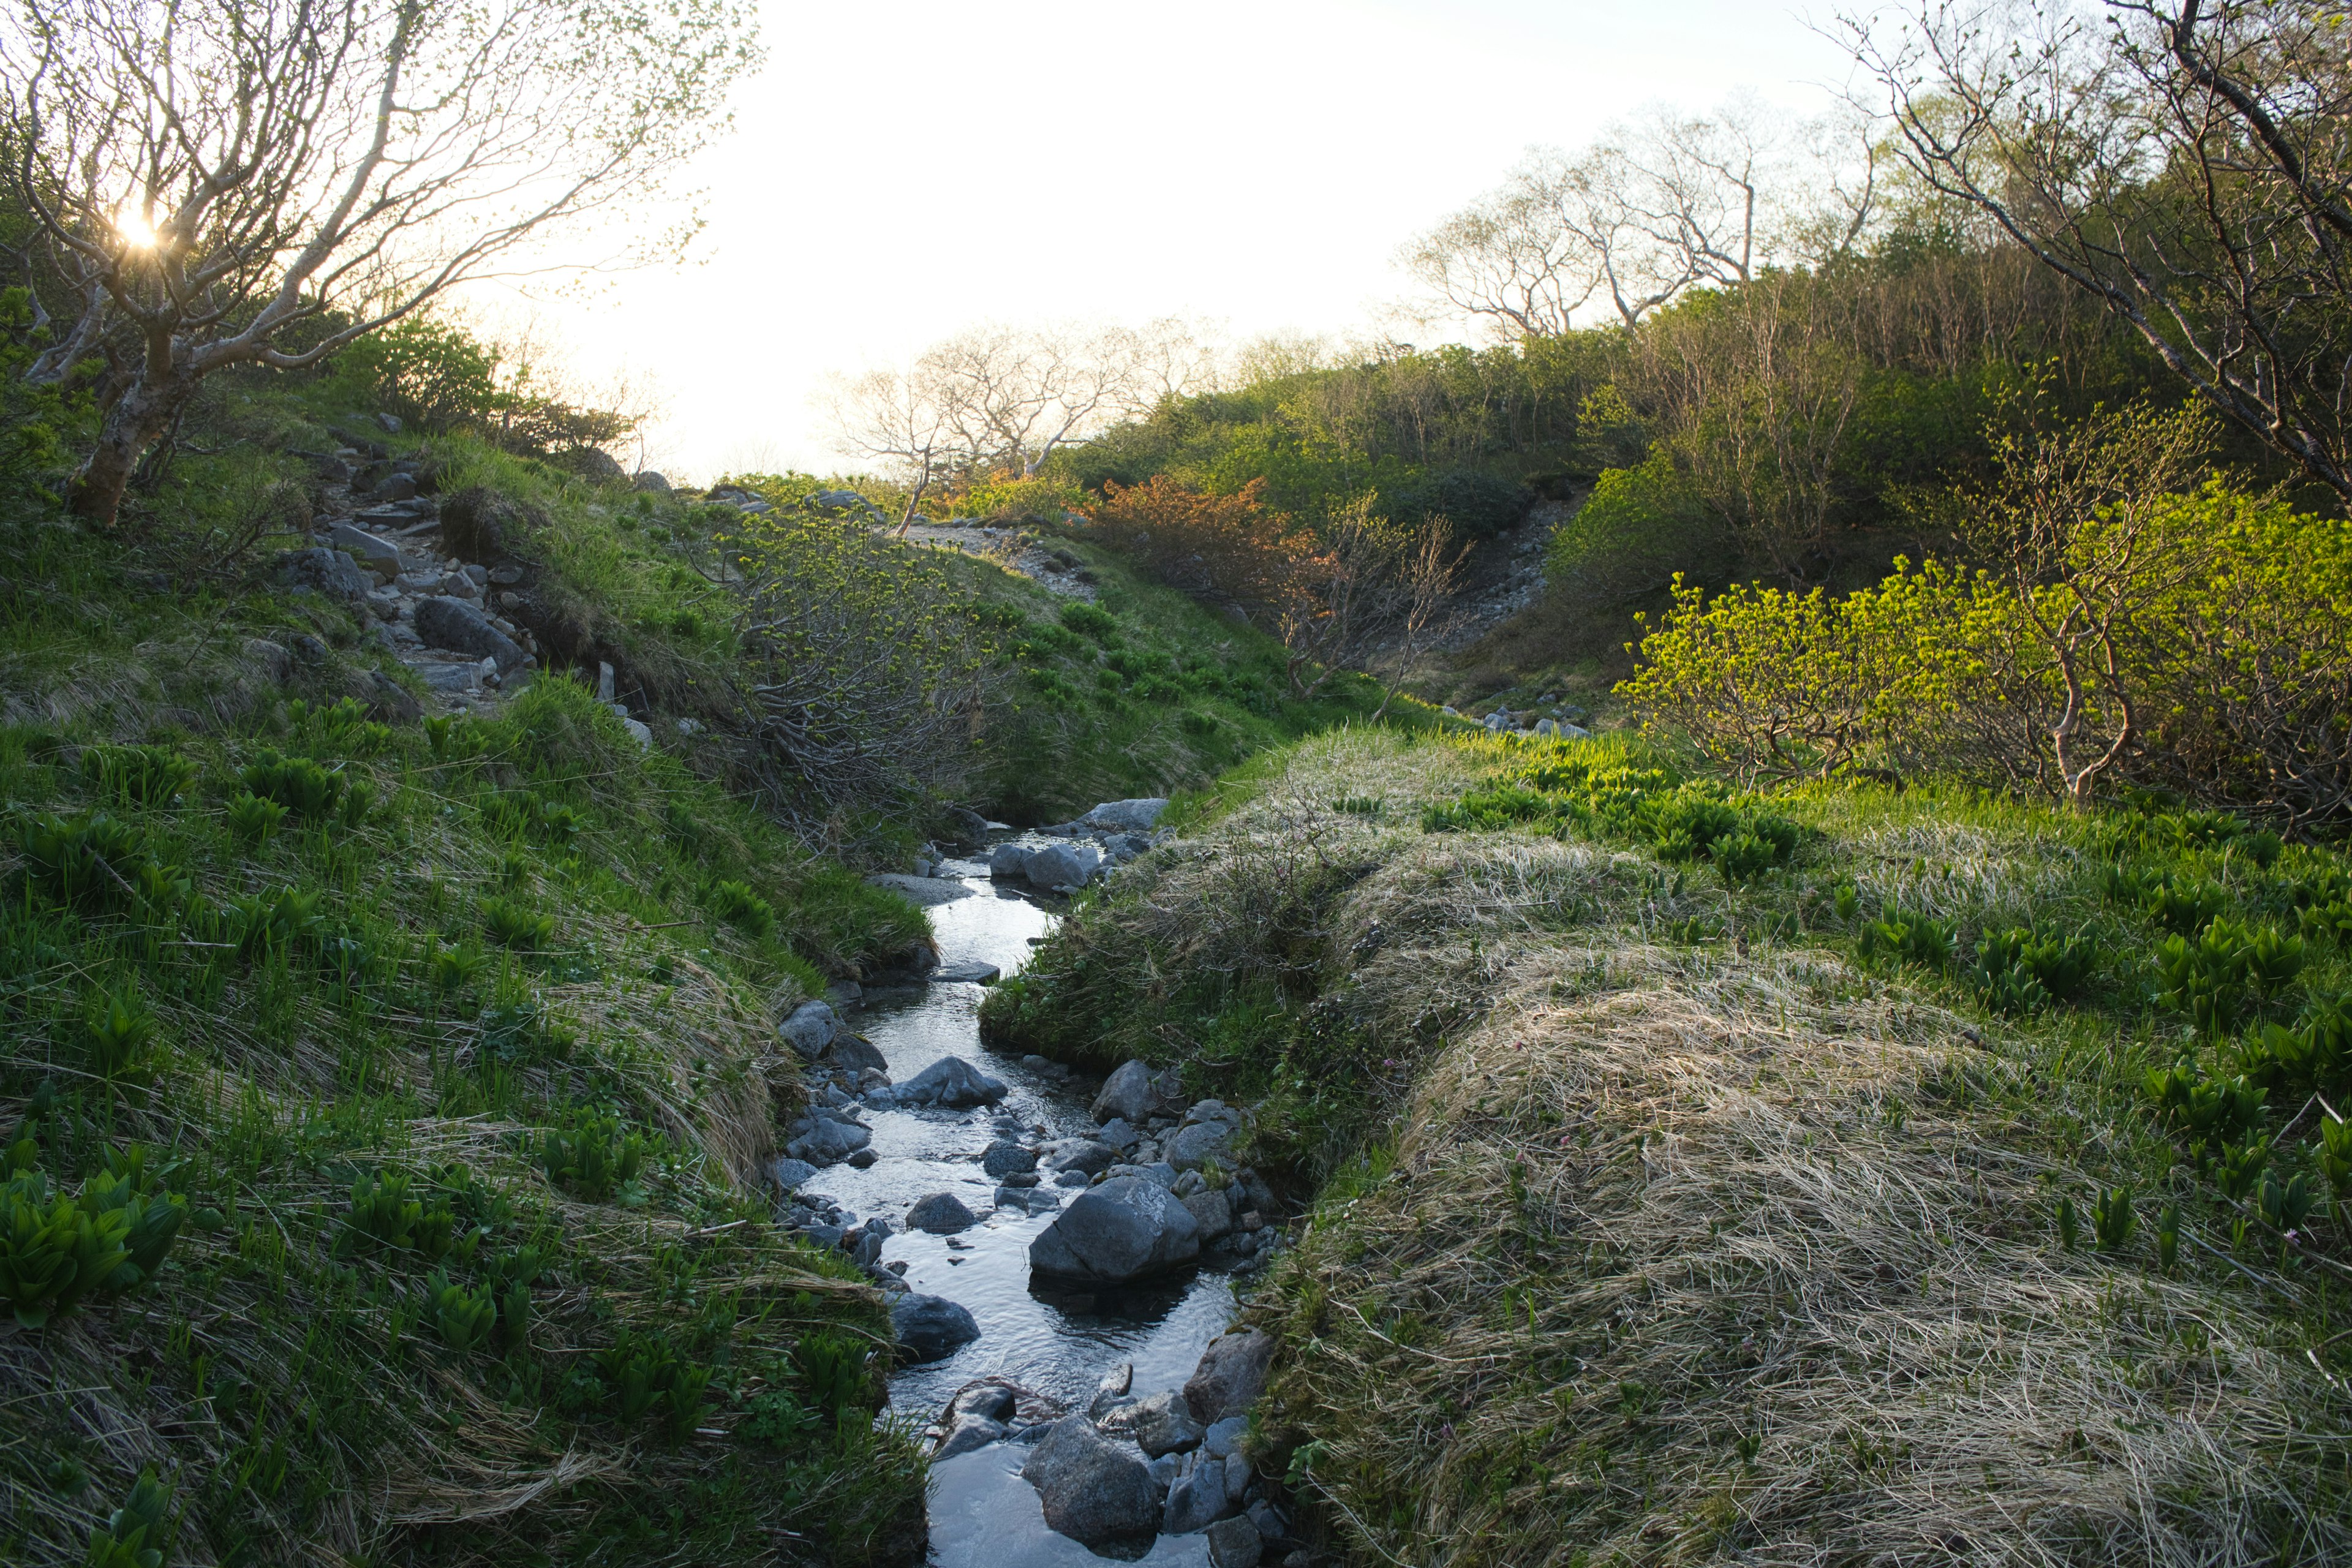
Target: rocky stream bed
1063, 1256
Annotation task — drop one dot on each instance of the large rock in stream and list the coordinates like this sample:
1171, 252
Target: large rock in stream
1124, 1228
932, 1328
954, 1083
1092, 1490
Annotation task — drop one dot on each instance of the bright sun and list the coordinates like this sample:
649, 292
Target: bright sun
134, 230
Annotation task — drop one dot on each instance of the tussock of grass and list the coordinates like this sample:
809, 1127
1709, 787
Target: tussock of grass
1635, 1246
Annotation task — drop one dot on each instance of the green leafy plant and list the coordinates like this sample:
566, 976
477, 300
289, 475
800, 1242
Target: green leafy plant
268, 923
138, 776
2209, 1110
736, 904
2285, 1205
388, 1211
298, 783
514, 1315
85, 861
160, 893
2182, 904
775, 1418
2238, 1166
594, 1159
640, 1371
2001, 976
466, 1315
513, 925
2113, 1219
137, 1534
1743, 857
2069, 1223
1909, 938
682, 1402
452, 969
2168, 1236
56, 1251
2336, 1157
120, 1027
1845, 902
2207, 979
837, 1370
253, 818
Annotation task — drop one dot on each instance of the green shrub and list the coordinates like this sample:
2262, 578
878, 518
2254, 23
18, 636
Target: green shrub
252, 818
1476, 503
84, 861
56, 1251
838, 1371
1092, 620
511, 925
298, 783
1908, 938
466, 1315
594, 1159
266, 923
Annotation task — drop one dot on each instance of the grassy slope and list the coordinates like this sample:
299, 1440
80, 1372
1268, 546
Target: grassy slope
295, 1380
1655, 1223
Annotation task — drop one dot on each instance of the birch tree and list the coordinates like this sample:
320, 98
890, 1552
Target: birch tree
262, 182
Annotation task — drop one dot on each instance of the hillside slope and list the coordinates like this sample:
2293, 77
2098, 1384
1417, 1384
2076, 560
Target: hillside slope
1675, 1210
384, 1108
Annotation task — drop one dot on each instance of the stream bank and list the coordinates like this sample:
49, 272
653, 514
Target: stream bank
912, 1118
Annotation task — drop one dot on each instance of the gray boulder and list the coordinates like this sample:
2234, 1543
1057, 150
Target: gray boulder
1124, 1228
1119, 1135
1198, 1498
970, 972
941, 1214
788, 1174
925, 892
1028, 1200
1236, 1543
1080, 1154
1065, 865
809, 1028
1009, 860
652, 483
1199, 1144
461, 627
1223, 1438
1124, 815
969, 1433
380, 556
855, 1054
932, 1328
952, 1081
1004, 1157
1213, 1213
1230, 1377
828, 1141
1092, 1490
994, 1401
841, 500
1129, 1094
330, 572
1163, 1424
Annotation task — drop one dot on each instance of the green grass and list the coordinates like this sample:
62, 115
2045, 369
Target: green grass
283, 1021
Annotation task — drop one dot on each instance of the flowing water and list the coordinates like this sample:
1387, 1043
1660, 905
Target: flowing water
1059, 1343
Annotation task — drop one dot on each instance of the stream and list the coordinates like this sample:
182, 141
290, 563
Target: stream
1057, 1344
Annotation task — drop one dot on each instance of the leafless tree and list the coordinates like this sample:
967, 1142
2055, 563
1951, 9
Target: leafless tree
1003, 400
263, 181
903, 419
1376, 597
2186, 162
1673, 203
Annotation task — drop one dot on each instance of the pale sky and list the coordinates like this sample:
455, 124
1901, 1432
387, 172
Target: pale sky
899, 172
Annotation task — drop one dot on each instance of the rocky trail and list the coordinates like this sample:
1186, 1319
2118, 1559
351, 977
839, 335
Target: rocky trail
1062, 1257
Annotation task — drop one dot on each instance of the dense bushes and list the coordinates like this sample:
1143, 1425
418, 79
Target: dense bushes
2228, 675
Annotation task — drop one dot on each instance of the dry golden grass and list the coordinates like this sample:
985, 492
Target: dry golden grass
1696, 1254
